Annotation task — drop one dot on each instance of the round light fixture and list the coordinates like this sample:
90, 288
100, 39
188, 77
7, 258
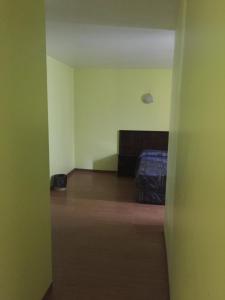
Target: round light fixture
147, 98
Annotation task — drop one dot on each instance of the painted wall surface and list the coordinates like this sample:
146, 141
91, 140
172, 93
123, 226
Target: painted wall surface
174, 122
61, 116
107, 100
25, 251
196, 240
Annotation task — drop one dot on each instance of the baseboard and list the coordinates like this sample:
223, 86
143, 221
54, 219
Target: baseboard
48, 292
71, 172
94, 171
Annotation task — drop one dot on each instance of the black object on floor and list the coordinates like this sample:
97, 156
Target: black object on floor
59, 182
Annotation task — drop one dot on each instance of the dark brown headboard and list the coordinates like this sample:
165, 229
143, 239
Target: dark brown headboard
132, 142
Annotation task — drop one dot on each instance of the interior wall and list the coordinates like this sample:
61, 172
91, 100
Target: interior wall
61, 116
174, 132
25, 251
196, 241
108, 100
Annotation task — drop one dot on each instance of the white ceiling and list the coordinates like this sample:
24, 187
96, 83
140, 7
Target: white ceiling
112, 33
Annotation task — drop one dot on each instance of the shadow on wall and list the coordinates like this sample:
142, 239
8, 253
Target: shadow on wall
108, 163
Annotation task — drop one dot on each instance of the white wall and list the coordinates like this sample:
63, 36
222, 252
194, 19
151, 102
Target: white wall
61, 116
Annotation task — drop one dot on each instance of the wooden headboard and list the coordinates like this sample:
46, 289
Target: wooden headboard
133, 142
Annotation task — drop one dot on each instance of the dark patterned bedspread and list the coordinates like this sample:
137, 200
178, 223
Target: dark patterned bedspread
151, 177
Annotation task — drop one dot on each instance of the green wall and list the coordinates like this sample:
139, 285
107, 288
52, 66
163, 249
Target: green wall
107, 100
61, 116
25, 251
174, 122
195, 199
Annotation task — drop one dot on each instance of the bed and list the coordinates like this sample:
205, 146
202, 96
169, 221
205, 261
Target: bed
133, 142
151, 176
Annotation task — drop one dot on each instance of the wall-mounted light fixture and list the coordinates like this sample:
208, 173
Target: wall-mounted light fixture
147, 98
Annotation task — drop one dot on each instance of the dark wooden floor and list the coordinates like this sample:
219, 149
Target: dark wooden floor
106, 246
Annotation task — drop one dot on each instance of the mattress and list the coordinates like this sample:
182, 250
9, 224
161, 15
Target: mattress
151, 176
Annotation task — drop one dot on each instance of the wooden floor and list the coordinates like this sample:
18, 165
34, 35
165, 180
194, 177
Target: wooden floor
106, 246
